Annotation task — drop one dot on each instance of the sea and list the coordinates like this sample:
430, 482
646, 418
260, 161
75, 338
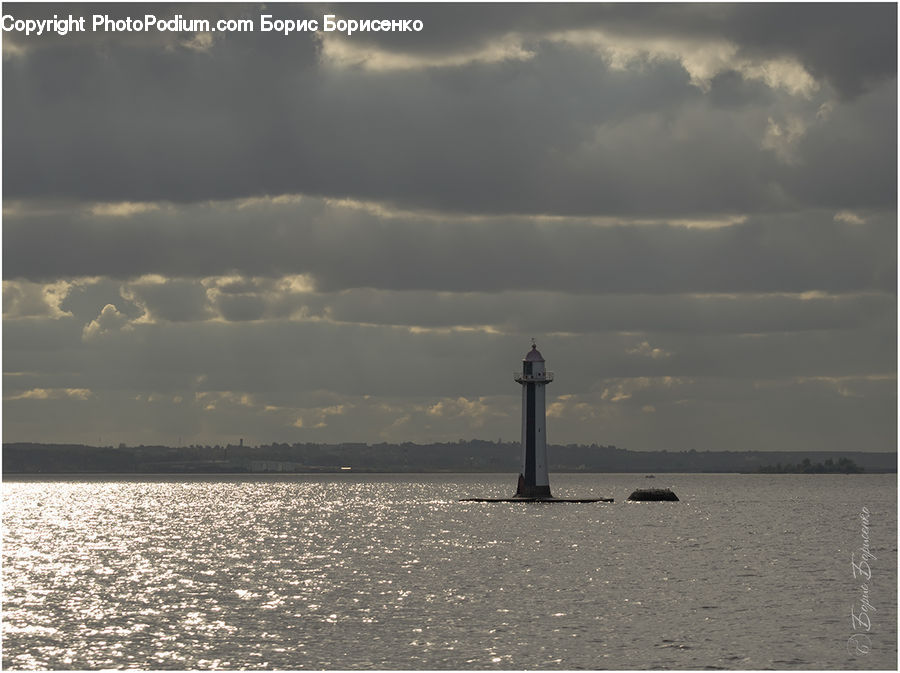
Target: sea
353, 571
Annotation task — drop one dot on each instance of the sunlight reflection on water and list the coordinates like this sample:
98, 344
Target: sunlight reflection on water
382, 571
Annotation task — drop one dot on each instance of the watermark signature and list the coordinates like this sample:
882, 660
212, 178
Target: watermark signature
861, 610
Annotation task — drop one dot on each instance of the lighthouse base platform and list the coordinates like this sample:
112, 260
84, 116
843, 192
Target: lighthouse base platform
537, 500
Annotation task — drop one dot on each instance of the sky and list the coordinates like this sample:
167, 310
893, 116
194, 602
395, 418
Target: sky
321, 237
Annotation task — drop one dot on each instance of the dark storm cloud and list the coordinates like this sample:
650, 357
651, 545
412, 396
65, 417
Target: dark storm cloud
323, 238
260, 114
186, 125
509, 312
809, 414
135, 120
514, 312
345, 359
172, 300
85, 301
344, 248
851, 45
842, 157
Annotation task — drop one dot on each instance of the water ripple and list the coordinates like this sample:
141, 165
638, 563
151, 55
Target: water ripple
391, 572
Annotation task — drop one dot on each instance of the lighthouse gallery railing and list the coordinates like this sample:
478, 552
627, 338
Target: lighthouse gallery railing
545, 377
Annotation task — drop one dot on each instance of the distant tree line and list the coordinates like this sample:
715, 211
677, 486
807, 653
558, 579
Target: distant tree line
462, 456
842, 466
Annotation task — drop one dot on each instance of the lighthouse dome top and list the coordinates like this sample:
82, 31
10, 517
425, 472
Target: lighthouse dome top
534, 355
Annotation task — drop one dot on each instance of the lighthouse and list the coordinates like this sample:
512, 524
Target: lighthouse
533, 479
534, 484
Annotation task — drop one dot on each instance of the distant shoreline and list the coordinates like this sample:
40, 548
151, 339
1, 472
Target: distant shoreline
464, 457
311, 473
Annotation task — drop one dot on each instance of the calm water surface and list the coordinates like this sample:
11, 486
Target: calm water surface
391, 572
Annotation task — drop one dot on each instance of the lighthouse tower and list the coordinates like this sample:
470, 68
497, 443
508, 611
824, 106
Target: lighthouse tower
533, 479
534, 484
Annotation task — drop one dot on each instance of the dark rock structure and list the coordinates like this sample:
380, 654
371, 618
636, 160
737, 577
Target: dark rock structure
652, 494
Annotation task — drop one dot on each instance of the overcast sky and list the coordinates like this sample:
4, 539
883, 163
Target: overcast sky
323, 238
